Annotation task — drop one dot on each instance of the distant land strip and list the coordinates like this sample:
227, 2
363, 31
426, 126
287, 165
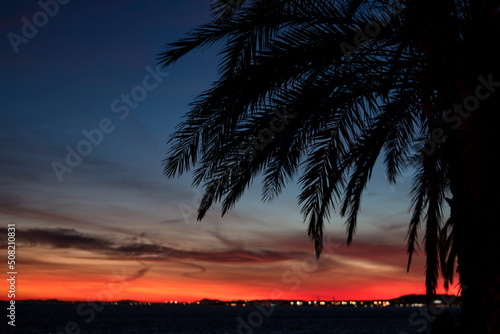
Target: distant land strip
403, 301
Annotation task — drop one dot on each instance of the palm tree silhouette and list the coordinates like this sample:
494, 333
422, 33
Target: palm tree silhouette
325, 88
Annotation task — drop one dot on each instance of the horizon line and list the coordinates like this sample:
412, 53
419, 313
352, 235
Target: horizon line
173, 301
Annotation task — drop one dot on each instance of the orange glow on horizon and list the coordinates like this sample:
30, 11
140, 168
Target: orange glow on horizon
368, 271
159, 291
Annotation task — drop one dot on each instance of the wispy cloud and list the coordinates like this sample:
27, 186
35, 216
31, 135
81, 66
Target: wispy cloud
120, 249
139, 273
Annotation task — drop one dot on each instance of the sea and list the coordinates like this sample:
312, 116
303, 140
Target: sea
82, 318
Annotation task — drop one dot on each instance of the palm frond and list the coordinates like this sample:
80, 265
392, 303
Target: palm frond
349, 110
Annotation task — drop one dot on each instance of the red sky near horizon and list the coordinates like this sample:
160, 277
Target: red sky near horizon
114, 227
70, 265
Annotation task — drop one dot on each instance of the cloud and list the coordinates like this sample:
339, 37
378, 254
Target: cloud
200, 270
120, 249
139, 273
393, 227
228, 242
61, 238
173, 221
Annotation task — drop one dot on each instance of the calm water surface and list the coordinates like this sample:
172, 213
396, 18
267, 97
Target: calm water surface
80, 319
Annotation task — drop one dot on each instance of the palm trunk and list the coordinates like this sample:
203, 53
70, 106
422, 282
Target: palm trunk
474, 177
474, 183
476, 238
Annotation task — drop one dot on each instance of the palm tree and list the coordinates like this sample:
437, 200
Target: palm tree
325, 88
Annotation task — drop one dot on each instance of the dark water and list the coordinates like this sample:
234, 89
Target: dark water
84, 318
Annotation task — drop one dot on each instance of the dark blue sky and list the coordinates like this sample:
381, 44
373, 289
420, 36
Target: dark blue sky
92, 66
64, 79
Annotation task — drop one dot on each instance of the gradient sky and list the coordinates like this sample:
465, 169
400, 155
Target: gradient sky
115, 227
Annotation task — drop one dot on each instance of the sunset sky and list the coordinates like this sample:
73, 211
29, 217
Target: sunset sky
111, 226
